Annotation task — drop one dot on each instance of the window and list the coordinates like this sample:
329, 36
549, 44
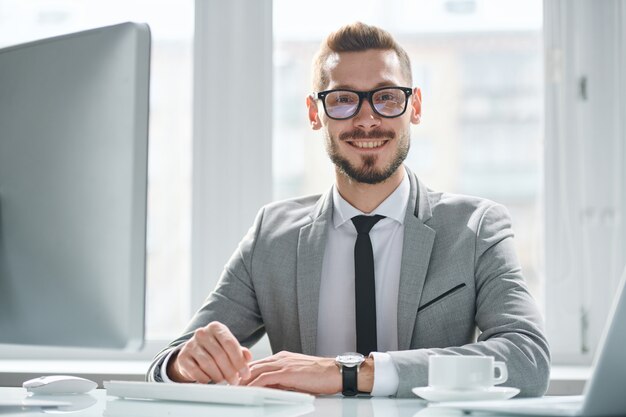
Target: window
479, 64
169, 195
585, 171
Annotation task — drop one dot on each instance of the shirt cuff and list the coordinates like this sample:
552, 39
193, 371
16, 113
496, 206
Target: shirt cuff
385, 375
163, 370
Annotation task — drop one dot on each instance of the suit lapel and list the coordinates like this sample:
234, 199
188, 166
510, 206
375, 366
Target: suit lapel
416, 250
311, 245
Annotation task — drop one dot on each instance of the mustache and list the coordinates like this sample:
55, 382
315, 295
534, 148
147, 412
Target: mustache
374, 134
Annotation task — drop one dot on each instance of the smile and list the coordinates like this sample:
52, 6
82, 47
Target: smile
368, 144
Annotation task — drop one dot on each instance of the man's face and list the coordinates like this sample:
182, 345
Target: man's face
367, 148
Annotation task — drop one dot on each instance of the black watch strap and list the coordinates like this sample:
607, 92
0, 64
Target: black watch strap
349, 378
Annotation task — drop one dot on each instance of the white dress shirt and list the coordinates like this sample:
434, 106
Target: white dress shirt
336, 324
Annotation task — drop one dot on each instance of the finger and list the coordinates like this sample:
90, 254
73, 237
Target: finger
173, 370
233, 350
207, 364
199, 375
244, 373
189, 369
195, 356
222, 361
280, 380
260, 369
247, 354
206, 339
267, 379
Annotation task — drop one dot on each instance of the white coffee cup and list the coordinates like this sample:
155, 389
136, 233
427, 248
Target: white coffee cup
465, 372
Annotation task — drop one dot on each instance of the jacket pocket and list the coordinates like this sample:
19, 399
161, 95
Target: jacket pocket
442, 296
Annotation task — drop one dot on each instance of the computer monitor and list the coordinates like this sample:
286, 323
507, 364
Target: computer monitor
73, 187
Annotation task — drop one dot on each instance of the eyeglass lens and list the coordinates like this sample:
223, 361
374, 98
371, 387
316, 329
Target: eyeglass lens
343, 104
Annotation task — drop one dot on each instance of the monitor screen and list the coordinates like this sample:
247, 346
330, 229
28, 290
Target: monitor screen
73, 187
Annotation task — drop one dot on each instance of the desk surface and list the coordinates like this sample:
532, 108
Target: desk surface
334, 406
564, 380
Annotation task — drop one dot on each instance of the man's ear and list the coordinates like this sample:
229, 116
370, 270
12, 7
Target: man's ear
416, 106
314, 116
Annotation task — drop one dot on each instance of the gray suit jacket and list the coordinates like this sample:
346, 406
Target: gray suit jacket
460, 280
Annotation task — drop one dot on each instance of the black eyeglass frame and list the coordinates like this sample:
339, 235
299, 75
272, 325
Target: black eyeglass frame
362, 95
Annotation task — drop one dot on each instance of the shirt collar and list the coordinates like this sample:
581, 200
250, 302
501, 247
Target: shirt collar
393, 207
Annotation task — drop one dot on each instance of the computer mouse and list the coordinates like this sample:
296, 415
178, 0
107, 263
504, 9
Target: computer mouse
59, 385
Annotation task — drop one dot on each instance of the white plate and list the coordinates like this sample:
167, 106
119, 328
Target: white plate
493, 393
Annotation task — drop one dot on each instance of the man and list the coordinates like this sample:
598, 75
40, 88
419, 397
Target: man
419, 278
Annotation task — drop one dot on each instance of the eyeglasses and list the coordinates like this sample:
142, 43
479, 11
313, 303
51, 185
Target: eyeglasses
387, 102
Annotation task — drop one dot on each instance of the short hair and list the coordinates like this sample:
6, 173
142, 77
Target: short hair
356, 37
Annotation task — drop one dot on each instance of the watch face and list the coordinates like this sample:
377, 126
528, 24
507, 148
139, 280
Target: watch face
350, 359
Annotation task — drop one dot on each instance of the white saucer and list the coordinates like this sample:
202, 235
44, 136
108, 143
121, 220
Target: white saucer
493, 393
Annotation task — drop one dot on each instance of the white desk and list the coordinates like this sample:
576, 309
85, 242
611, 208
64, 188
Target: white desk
322, 407
564, 380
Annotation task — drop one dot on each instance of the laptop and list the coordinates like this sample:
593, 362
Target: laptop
605, 392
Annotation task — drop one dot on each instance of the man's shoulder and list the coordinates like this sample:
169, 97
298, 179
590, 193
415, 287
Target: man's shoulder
446, 207
279, 223
296, 206
447, 199
291, 213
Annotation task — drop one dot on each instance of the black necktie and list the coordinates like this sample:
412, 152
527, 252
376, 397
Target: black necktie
365, 285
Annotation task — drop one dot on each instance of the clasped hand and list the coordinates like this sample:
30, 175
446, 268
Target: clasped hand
213, 354
297, 372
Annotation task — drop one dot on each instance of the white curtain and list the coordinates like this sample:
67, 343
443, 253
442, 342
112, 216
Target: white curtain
585, 153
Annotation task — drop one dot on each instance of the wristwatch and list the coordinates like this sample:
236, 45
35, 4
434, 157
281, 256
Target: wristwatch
349, 364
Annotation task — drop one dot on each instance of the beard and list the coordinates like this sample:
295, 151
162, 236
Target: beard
366, 172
